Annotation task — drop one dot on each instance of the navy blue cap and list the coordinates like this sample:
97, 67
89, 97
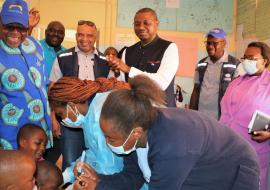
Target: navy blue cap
15, 11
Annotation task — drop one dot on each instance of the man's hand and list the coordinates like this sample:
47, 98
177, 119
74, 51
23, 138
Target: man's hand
117, 64
34, 18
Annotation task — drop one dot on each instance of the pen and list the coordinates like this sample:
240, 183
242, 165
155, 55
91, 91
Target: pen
79, 169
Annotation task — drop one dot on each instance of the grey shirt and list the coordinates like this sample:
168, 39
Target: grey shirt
85, 61
208, 100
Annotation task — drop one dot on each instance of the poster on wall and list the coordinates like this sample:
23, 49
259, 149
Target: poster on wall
181, 15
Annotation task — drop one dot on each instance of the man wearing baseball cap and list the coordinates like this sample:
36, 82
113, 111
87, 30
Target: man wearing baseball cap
23, 82
213, 74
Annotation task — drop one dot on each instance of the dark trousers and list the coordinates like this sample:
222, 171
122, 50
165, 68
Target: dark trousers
72, 145
52, 154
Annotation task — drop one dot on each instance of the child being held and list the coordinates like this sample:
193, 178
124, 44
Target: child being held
48, 176
32, 140
111, 51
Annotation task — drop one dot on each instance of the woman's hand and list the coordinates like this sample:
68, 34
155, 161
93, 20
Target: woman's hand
88, 179
55, 126
261, 136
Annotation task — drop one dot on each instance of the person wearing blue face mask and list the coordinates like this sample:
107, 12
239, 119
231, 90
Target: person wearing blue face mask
173, 149
78, 103
247, 94
73, 124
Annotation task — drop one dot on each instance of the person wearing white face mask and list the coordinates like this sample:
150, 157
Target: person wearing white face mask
247, 94
172, 149
78, 103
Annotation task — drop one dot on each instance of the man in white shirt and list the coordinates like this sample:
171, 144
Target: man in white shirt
151, 56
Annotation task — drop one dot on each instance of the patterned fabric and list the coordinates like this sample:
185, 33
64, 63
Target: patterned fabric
49, 55
23, 96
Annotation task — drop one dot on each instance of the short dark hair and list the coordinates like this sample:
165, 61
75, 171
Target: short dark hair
48, 173
147, 10
110, 48
127, 109
265, 50
27, 130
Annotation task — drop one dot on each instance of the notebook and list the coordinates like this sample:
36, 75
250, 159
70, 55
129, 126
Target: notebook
258, 121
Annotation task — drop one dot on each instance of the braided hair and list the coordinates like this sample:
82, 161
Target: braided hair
73, 89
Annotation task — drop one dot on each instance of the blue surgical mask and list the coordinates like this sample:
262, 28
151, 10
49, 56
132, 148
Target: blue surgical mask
79, 120
120, 149
250, 66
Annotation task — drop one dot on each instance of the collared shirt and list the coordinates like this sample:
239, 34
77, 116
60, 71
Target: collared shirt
210, 86
85, 62
49, 55
23, 96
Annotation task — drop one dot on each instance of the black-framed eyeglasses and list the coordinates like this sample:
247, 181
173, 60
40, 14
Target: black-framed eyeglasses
208, 43
11, 27
251, 58
87, 22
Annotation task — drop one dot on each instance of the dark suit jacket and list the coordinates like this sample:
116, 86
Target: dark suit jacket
69, 64
189, 151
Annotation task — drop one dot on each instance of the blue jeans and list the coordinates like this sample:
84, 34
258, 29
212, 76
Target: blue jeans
72, 145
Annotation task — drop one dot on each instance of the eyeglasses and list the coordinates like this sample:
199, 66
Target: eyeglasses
251, 58
88, 23
208, 43
12, 27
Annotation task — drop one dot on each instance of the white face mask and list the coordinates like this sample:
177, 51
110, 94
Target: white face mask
120, 149
250, 66
79, 120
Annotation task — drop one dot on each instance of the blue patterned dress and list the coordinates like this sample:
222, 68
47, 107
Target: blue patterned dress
23, 96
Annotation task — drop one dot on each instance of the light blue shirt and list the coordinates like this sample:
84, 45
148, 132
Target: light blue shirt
142, 154
98, 154
49, 55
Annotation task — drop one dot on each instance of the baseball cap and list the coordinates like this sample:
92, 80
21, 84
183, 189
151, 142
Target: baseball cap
216, 33
15, 11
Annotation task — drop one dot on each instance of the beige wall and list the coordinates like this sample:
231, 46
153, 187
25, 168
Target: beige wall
69, 12
103, 13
